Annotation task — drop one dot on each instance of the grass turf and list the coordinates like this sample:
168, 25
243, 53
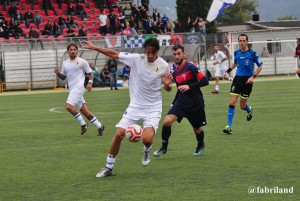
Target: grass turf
44, 157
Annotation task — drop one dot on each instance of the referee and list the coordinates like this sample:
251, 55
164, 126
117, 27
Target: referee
244, 60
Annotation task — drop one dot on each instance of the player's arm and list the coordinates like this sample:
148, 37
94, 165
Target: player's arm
89, 86
226, 74
107, 52
61, 76
167, 81
202, 81
255, 74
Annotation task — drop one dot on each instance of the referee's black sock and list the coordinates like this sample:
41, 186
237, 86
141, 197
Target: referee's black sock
165, 135
200, 138
298, 75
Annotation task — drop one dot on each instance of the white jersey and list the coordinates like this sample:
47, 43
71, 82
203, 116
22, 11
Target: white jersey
145, 79
219, 56
75, 71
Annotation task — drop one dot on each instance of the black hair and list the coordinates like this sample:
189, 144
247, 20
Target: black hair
176, 47
72, 44
243, 35
152, 42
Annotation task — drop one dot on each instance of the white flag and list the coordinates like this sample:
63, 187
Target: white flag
217, 7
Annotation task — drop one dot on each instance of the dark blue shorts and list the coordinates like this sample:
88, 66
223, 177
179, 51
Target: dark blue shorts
196, 118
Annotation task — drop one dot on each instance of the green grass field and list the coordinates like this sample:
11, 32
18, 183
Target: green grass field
43, 157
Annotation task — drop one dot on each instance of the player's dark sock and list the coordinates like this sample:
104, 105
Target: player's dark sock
298, 75
165, 135
200, 138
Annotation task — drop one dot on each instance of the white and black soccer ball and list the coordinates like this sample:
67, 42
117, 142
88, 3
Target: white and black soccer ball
134, 133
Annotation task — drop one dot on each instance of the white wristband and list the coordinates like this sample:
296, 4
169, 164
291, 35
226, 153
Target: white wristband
91, 81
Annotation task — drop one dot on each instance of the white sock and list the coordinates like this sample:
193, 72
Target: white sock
147, 149
110, 161
79, 118
96, 122
217, 87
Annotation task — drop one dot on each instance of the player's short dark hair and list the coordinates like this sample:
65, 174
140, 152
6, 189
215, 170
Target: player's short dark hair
243, 35
152, 42
176, 47
216, 45
72, 44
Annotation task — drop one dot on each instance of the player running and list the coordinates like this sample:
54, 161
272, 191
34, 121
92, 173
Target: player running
74, 70
188, 102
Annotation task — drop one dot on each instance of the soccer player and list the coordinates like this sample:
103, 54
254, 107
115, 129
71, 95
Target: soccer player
297, 54
148, 71
244, 60
74, 70
220, 57
188, 103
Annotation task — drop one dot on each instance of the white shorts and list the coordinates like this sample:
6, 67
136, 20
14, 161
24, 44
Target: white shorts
220, 71
76, 100
149, 116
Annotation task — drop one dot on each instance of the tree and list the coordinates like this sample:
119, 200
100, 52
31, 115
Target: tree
238, 13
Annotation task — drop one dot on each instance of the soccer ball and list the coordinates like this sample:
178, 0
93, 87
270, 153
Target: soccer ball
134, 133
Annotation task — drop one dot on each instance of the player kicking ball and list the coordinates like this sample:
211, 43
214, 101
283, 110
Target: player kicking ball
74, 70
148, 71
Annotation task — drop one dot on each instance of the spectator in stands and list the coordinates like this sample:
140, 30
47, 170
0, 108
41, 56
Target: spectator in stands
34, 36
201, 25
56, 29
70, 33
28, 17
71, 9
161, 26
2, 18
37, 19
191, 24
82, 33
103, 23
145, 4
105, 75
15, 29
177, 26
12, 10
48, 30
113, 67
169, 29
102, 4
62, 22
96, 75
75, 25
141, 30
59, 2
3, 30
80, 11
112, 22
147, 24
18, 16
126, 72
121, 19
156, 15
70, 20
48, 5
165, 20
155, 29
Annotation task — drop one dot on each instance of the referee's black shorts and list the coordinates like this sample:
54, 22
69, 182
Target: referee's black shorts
196, 118
239, 87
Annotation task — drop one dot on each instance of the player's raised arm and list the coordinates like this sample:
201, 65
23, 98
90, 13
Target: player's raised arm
61, 76
107, 52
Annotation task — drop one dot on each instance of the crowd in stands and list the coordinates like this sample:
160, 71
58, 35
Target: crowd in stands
79, 18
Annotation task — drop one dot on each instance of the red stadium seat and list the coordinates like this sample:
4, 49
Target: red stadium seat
88, 24
51, 13
27, 7
22, 26
92, 18
96, 11
36, 7
94, 31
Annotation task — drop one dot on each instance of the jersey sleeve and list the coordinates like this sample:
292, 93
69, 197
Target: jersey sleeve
86, 67
257, 60
127, 58
222, 55
63, 69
